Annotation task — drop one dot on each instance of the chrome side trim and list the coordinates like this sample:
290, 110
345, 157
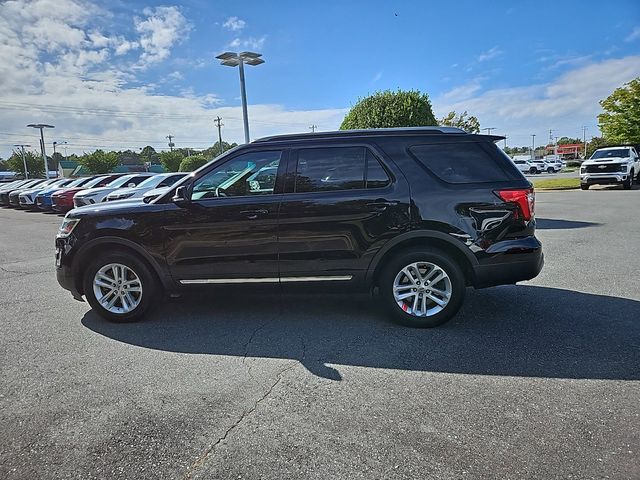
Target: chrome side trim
326, 278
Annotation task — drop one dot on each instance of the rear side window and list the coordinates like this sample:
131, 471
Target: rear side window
460, 162
338, 168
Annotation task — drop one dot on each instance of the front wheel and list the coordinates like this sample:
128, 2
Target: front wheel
422, 288
628, 182
584, 186
550, 170
532, 170
120, 287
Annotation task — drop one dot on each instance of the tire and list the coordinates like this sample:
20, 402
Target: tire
628, 182
532, 170
584, 186
550, 170
393, 274
138, 271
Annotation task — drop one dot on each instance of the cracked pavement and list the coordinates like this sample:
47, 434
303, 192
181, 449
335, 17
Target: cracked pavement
539, 380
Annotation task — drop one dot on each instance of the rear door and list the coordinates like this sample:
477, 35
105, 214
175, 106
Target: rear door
341, 204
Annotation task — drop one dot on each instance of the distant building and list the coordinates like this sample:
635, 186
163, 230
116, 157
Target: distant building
66, 168
567, 151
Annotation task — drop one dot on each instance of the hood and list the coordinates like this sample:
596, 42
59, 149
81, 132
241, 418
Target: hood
111, 208
93, 191
600, 161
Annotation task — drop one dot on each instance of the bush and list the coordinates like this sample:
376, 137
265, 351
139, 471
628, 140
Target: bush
171, 160
99, 161
194, 162
390, 109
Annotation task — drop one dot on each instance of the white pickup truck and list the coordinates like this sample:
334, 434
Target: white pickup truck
611, 165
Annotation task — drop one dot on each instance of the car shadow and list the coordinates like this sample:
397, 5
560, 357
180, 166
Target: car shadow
559, 224
524, 331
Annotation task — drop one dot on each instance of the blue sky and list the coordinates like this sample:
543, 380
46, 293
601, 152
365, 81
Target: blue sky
147, 69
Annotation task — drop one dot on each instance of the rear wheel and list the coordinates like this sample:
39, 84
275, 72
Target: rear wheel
120, 287
550, 170
422, 288
584, 186
628, 182
532, 170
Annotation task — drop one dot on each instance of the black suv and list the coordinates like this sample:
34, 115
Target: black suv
416, 215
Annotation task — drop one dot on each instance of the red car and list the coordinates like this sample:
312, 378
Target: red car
62, 200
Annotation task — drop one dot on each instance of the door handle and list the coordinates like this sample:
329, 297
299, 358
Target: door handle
381, 205
253, 214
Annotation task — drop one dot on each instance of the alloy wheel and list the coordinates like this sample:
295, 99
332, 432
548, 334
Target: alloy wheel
422, 289
117, 288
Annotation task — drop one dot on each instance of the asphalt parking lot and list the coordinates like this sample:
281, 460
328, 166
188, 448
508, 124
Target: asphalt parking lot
538, 380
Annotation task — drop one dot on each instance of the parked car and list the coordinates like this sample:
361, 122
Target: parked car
525, 166
611, 165
156, 181
99, 194
62, 200
415, 214
43, 198
27, 198
151, 195
552, 164
6, 192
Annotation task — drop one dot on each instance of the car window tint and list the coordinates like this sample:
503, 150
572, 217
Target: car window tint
326, 169
167, 182
253, 173
459, 162
376, 175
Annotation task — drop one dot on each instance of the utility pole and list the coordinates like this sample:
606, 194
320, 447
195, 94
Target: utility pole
584, 139
171, 144
550, 136
313, 128
218, 123
533, 146
488, 129
505, 141
24, 160
41, 127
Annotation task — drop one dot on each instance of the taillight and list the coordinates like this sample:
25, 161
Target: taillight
524, 198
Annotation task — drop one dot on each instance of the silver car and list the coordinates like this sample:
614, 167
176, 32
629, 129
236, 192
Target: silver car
157, 181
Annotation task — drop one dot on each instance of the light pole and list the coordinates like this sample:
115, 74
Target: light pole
24, 160
41, 127
232, 59
488, 129
533, 146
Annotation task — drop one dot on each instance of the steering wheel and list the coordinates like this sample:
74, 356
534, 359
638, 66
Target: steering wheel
220, 192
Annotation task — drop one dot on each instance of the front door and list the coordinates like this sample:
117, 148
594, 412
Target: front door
341, 205
228, 232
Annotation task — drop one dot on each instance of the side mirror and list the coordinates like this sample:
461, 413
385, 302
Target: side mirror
182, 197
131, 185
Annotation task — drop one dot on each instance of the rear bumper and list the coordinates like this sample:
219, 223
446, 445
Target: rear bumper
508, 262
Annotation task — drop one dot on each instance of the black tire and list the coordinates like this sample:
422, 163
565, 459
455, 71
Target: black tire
584, 186
436, 257
150, 286
628, 182
550, 170
533, 170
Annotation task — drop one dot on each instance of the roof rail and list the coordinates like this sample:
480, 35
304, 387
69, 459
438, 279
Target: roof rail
363, 133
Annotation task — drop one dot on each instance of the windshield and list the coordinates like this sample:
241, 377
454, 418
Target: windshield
151, 181
78, 181
617, 153
118, 182
93, 182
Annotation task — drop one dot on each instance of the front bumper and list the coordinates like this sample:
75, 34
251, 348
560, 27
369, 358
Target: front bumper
26, 201
603, 178
508, 262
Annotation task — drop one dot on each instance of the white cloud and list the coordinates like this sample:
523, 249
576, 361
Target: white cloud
162, 28
634, 35
564, 104
234, 24
489, 54
463, 91
252, 43
376, 77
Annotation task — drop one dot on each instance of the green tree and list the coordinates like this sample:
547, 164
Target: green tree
3, 165
171, 160
467, 123
149, 154
596, 143
568, 141
99, 161
34, 163
620, 122
390, 109
214, 151
189, 164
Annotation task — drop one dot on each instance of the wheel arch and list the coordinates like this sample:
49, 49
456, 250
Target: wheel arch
439, 240
110, 244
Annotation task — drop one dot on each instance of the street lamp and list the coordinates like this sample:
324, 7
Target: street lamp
24, 160
42, 126
64, 145
232, 59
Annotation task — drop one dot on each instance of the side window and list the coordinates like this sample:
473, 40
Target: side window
332, 168
460, 162
253, 173
376, 175
137, 180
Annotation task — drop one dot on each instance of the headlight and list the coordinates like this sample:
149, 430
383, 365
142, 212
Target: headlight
68, 225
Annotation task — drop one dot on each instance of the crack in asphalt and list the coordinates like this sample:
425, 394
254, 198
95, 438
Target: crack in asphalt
207, 453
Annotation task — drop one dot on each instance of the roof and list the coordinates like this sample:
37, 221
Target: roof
371, 132
80, 171
67, 164
156, 168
